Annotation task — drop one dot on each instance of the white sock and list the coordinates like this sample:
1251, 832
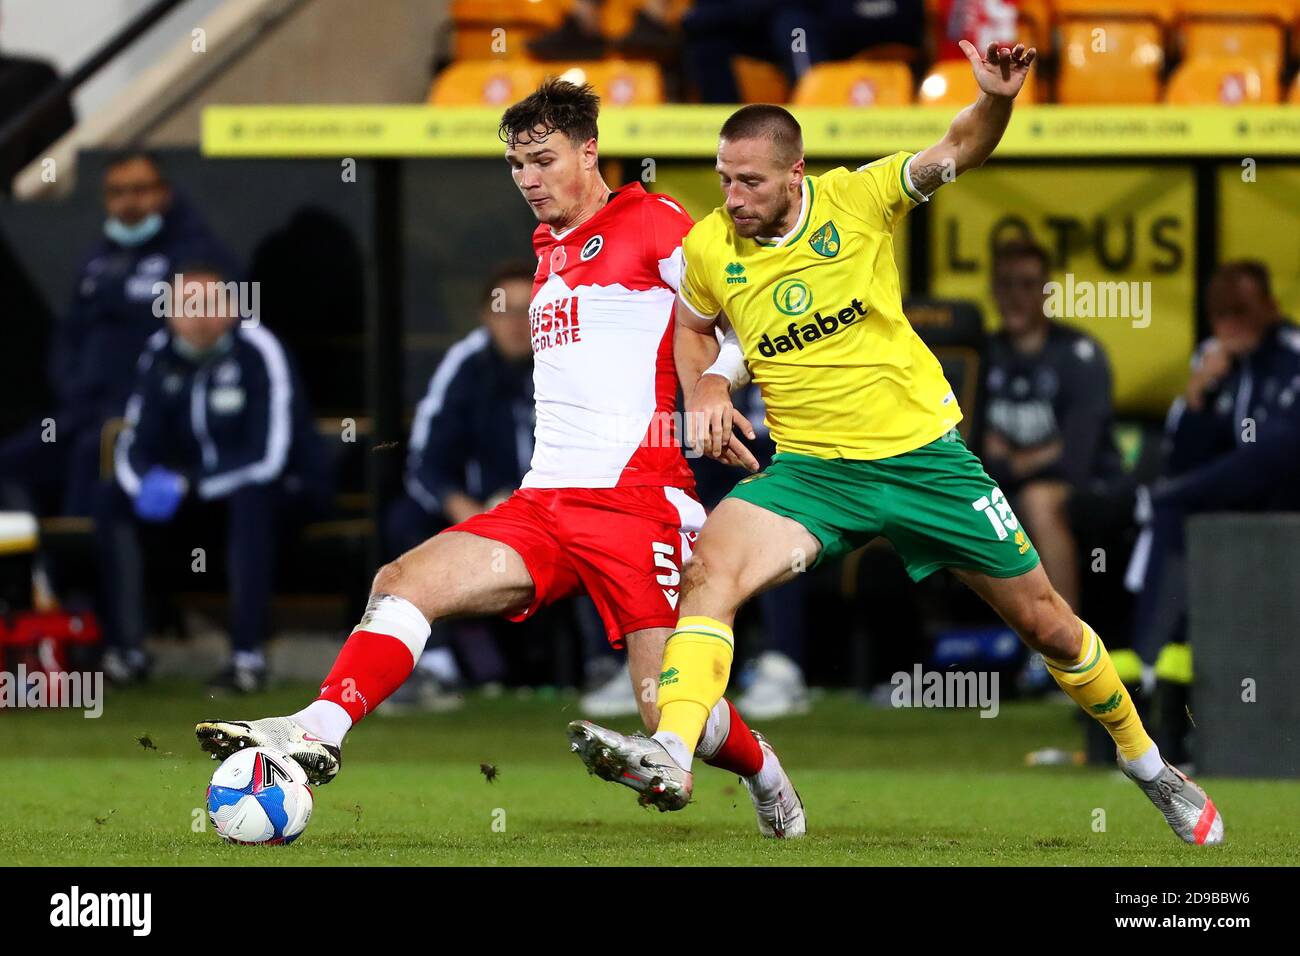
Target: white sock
716, 729
326, 719
399, 618
1149, 765
767, 781
676, 748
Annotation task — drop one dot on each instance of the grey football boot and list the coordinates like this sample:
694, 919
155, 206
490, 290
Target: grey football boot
635, 761
1187, 808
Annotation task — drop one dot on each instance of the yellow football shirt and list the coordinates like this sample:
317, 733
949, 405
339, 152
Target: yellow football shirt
820, 318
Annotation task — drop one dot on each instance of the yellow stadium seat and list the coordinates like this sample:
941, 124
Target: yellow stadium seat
480, 42
485, 82
1034, 25
760, 81
951, 83
617, 82
544, 13
1110, 61
1230, 81
1258, 40
1283, 11
500, 28
616, 16
855, 83
1159, 11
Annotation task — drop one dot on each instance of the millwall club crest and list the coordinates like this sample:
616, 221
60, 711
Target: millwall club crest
558, 258
592, 247
826, 240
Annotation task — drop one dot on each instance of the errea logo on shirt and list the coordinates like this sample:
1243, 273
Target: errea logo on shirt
735, 274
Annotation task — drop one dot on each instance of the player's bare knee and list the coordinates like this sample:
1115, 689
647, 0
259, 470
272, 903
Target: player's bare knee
1055, 631
387, 578
706, 575
695, 574
395, 578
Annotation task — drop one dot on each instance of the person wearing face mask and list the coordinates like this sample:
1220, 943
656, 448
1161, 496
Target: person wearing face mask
220, 442
147, 230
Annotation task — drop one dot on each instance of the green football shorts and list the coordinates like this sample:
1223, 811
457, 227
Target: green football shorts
934, 504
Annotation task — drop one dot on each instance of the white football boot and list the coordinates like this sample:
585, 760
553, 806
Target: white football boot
635, 761
1186, 807
780, 816
318, 758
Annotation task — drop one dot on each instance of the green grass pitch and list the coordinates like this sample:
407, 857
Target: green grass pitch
931, 787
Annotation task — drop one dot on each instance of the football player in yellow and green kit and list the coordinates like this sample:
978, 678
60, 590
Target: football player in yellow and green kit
864, 422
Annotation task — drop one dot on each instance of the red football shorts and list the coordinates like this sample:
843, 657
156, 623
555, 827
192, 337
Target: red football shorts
624, 547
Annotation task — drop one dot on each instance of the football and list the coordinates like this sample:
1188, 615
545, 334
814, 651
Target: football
259, 796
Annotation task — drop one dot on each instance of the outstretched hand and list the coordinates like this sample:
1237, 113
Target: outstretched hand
1001, 71
711, 422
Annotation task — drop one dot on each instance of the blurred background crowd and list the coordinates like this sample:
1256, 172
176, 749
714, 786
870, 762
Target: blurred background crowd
257, 457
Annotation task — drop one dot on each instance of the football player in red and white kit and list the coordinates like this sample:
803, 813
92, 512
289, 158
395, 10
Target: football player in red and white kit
608, 506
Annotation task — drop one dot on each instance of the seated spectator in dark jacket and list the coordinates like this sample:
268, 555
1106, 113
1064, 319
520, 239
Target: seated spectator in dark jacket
218, 436
1048, 414
471, 444
147, 232
1232, 442
472, 438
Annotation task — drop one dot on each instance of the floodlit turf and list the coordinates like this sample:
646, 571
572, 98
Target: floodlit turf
882, 787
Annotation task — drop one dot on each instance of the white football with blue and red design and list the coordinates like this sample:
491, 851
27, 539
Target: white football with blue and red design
259, 796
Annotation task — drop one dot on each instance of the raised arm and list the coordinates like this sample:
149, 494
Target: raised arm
976, 130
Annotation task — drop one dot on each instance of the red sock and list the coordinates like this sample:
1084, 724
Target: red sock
368, 669
739, 753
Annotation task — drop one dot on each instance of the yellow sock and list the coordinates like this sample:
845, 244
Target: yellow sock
697, 664
1093, 683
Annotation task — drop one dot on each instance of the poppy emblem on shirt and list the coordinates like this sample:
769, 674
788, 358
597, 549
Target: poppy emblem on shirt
558, 258
591, 248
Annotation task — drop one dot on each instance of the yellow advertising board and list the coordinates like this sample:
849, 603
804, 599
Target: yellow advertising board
1259, 218
1122, 244
676, 131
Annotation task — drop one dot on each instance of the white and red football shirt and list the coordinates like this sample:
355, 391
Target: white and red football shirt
602, 328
